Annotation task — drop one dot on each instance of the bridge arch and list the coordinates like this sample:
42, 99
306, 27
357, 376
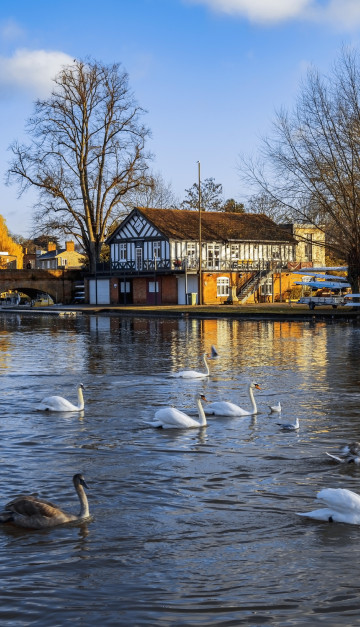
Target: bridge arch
59, 284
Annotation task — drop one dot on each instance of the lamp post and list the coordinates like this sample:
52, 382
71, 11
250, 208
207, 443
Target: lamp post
200, 239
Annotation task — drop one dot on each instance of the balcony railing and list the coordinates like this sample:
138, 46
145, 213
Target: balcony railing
192, 265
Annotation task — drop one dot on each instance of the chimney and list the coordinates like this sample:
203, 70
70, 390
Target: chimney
51, 246
70, 247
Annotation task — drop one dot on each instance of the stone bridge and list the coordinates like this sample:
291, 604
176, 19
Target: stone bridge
59, 284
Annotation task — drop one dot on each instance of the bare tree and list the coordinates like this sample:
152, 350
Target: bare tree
233, 206
156, 194
311, 165
211, 196
266, 204
87, 152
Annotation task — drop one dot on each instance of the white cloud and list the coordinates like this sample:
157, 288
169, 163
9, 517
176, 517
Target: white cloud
30, 71
344, 14
259, 10
10, 30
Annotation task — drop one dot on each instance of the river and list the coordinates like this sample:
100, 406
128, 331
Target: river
192, 527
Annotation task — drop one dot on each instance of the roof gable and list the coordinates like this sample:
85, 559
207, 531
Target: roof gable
135, 225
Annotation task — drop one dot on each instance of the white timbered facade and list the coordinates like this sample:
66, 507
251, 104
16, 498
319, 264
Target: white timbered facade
155, 253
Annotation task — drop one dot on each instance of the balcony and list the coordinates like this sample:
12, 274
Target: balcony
191, 265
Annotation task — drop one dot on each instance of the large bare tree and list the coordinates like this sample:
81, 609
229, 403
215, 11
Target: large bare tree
86, 153
156, 193
310, 166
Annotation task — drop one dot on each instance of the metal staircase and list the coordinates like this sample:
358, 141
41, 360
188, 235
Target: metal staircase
253, 284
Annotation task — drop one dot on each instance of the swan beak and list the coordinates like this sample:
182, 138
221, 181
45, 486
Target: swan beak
257, 386
203, 398
84, 484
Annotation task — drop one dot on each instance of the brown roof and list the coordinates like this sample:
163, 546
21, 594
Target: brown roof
215, 226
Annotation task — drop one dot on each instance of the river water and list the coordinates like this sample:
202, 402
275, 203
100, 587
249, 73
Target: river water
194, 527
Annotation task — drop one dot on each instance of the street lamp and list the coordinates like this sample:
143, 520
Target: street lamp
200, 238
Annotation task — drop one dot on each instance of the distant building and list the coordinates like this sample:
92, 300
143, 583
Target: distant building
310, 243
55, 259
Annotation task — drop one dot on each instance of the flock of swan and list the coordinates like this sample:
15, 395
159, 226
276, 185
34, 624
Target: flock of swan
342, 505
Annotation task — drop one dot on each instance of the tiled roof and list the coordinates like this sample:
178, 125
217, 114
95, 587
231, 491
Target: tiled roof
51, 254
215, 225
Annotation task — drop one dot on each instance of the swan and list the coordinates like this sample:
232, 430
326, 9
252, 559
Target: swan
350, 453
172, 418
289, 426
275, 408
224, 408
342, 505
193, 374
58, 403
33, 513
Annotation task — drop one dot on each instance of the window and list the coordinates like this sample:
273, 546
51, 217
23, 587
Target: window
157, 250
235, 251
223, 284
213, 255
153, 287
124, 287
266, 288
308, 247
139, 258
122, 252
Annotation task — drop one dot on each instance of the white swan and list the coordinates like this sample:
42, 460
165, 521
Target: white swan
342, 506
172, 418
275, 408
193, 374
58, 403
33, 513
350, 453
224, 408
290, 426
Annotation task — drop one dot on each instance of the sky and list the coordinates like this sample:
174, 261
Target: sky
210, 73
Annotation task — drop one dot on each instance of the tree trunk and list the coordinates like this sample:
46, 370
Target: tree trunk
94, 254
354, 270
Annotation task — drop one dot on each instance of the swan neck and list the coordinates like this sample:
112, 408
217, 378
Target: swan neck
202, 417
252, 398
206, 365
80, 399
84, 505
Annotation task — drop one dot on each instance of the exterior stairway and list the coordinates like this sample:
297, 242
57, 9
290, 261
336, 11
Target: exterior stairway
253, 284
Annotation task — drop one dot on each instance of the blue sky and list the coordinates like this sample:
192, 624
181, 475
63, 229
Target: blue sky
210, 73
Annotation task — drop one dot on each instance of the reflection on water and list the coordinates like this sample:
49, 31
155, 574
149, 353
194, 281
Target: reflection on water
192, 527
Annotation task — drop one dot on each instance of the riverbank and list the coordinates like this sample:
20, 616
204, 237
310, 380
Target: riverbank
261, 311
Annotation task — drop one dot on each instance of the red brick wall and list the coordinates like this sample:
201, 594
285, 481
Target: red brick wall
114, 291
169, 290
139, 291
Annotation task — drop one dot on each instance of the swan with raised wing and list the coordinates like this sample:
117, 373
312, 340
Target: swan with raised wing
224, 408
172, 418
58, 403
348, 454
33, 513
342, 505
193, 374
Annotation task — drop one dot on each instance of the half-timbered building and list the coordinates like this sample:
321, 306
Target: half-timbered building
172, 256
